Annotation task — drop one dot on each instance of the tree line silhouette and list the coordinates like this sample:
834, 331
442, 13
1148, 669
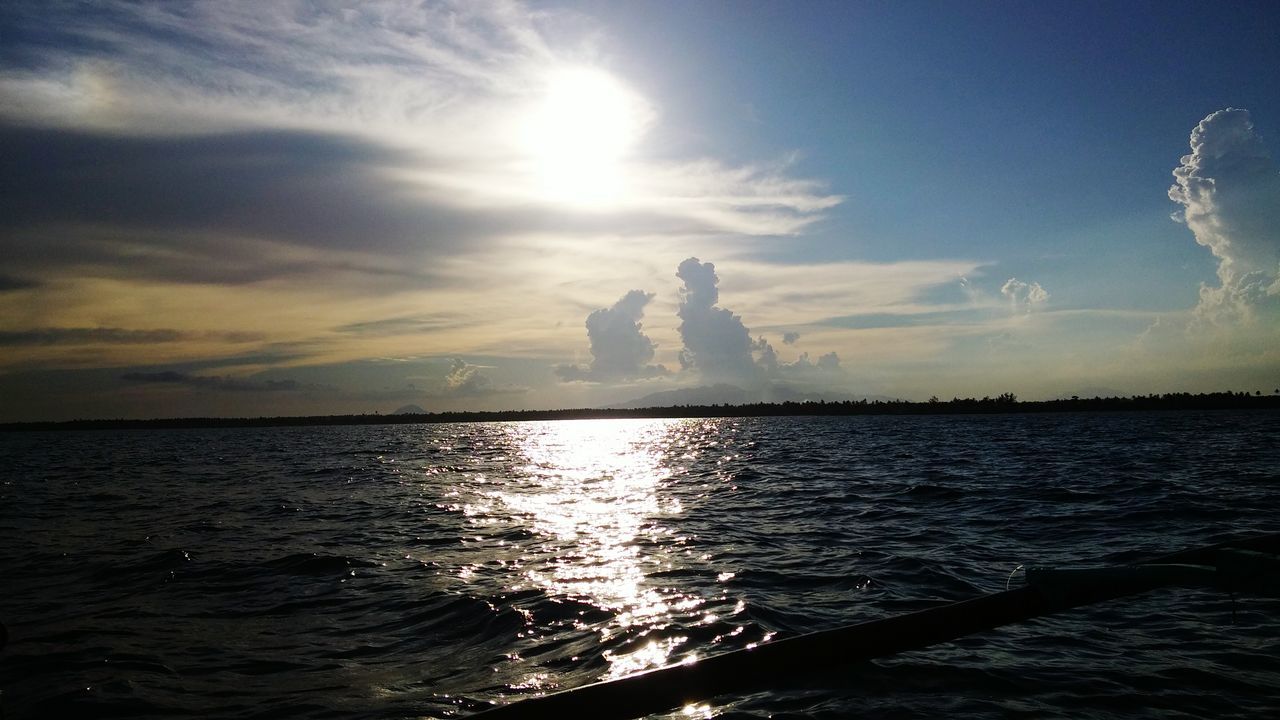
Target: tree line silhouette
1004, 403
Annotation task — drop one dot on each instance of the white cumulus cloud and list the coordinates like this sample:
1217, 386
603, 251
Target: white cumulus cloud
719, 346
1229, 190
465, 379
619, 348
716, 342
1024, 297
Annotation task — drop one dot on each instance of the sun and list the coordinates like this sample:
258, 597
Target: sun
579, 136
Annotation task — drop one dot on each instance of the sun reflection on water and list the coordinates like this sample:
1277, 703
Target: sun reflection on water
590, 490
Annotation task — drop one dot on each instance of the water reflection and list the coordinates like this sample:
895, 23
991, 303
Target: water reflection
591, 492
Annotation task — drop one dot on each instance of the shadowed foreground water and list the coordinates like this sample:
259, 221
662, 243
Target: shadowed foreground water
430, 570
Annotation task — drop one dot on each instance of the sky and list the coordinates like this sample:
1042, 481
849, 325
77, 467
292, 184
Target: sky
287, 208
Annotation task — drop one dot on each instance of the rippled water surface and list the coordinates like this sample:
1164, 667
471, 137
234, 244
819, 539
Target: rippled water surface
431, 570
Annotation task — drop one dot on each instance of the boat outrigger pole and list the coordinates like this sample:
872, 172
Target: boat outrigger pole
1243, 565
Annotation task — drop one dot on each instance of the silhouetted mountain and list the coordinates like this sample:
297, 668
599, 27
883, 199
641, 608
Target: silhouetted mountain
409, 410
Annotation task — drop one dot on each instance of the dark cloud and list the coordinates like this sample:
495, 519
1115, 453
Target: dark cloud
113, 336
171, 377
790, 338
619, 348
236, 181
8, 283
199, 208
403, 325
225, 208
87, 336
220, 383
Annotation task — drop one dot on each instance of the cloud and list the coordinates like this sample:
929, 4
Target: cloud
790, 338
467, 380
619, 348
219, 382
827, 364
719, 346
318, 174
716, 343
85, 336
232, 208
768, 358
114, 336
406, 325
445, 103
1024, 297
130, 67
9, 283
974, 294
1229, 190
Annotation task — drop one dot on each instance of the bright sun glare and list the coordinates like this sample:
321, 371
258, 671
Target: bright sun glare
579, 135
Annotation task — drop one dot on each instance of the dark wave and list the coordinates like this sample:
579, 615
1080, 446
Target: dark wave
434, 570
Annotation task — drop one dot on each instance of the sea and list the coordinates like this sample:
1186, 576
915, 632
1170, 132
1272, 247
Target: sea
436, 570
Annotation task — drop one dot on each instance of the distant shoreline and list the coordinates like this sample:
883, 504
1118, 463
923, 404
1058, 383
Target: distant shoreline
1006, 403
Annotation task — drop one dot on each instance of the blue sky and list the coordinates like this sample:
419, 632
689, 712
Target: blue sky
244, 208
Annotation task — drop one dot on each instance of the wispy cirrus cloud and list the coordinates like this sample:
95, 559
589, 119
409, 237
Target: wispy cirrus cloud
318, 175
452, 84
